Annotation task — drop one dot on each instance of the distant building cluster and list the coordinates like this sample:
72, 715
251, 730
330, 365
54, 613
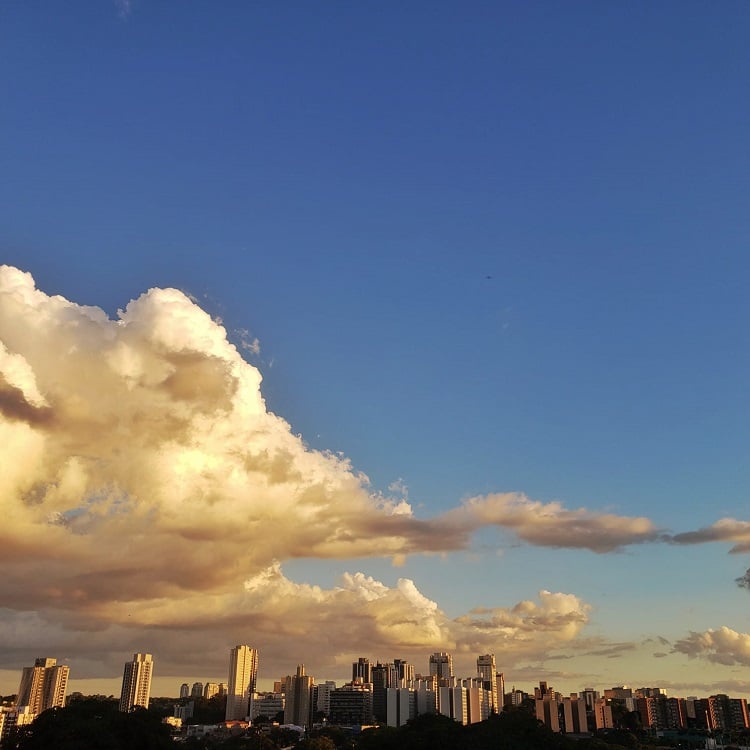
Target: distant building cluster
387, 693
582, 712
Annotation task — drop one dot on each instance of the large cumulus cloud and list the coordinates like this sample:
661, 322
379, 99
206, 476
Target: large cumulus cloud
147, 490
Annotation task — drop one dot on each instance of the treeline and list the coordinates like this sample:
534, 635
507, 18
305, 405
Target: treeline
91, 724
95, 724
510, 730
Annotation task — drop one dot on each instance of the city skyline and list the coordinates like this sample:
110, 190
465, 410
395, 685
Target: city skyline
391, 694
45, 684
387, 331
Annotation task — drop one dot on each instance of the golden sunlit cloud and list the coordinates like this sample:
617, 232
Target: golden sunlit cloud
146, 487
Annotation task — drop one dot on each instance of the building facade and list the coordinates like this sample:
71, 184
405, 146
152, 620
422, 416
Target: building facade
243, 676
136, 682
351, 704
43, 686
441, 665
298, 698
487, 671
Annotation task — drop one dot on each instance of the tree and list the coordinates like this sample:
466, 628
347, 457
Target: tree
93, 725
317, 743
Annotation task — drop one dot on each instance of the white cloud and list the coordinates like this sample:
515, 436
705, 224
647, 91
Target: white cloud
720, 646
150, 494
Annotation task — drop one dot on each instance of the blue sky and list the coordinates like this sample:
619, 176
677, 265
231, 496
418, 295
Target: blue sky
485, 248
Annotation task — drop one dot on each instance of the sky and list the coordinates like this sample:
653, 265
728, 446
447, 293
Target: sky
376, 329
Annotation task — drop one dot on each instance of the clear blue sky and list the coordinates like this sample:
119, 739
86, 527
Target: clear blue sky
485, 247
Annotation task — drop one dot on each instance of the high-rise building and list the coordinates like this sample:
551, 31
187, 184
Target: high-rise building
382, 679
426, 695
478, 700
547, 708
453, 702
574, 715
362, 670
603, 718
401, 703
487, 671
500, 687
322, 697
351, 704
210, 689
441, 665
243, 675
590, 697
404, 673
184, 690
266, 704
43, 686
136, 682
298, 698
197, 690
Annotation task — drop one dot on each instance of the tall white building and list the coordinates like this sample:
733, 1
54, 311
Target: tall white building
136, 682
401, 705
243, 675
426, 695
43, 686
487, 671
322, 695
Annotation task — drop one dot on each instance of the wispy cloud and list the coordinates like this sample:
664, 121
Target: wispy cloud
553, 525
724, 530
124, 8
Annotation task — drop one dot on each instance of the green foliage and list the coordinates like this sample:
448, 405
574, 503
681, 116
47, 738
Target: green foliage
93, 725
209, 710
510, 730
621, 737
341, 738
248, 741
283, 737
316, 743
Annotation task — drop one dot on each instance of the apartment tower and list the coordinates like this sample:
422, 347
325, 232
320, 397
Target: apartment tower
136, 682
441, 665
487, 671
43, 686
298, 698
243, 675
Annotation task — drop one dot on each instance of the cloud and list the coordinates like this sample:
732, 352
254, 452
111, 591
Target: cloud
612, 650
728, 687
744, 580
724, 530
146, 486
327, 628
248, 342
558, 613
553, 525
720, 646
124, 8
